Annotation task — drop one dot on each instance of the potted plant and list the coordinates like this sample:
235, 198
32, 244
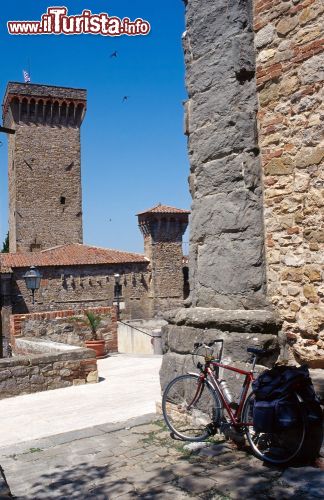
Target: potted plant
96, 343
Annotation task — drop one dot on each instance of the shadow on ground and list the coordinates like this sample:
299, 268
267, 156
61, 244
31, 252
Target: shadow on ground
86, 481
145, 462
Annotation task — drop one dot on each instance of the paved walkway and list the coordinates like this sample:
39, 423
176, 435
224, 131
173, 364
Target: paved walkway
78, 443
129, 387
138, 459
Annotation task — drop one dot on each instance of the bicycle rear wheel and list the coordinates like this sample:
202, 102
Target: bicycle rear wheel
279, 447
191, 408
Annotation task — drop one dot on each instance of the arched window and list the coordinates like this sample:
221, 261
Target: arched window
63, 112
15, 108
79, 112
55, 118
32, 106
40, 109
71, 114
48, 111
24, 109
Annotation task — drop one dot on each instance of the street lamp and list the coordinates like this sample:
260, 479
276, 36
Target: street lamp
32, 279
117, 291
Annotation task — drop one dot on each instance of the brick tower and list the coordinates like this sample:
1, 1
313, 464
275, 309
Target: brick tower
163, 227
45, 204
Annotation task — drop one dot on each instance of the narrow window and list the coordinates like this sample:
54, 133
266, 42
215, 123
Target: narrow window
35, 247
62, 200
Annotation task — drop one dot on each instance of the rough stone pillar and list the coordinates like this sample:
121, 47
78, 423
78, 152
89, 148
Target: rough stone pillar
226, 261
5, 307
227, 267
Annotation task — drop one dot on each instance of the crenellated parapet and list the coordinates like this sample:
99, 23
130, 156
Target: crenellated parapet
163, 223
44, 105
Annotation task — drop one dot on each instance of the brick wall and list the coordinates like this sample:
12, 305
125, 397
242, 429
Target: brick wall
66, 326
290, 74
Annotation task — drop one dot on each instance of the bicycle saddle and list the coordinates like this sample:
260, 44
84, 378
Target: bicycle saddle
257, 352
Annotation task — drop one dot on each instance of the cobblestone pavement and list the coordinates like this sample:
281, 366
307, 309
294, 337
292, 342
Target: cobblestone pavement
139, 459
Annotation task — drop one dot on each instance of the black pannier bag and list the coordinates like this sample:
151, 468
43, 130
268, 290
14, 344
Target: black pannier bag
280, 381
276, 407
277, 415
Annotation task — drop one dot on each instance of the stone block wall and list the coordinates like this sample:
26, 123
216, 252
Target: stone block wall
238, 329
66, 326
35, 373
290, 76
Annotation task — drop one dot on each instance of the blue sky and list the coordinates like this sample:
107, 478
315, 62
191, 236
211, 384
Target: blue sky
133, 154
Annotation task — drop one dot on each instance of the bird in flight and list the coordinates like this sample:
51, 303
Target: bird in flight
125, 98
114, 54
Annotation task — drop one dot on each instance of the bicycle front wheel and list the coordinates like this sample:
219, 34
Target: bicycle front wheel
279, 447
191, 408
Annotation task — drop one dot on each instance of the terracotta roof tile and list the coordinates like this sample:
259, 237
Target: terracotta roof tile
164, 209
70, 255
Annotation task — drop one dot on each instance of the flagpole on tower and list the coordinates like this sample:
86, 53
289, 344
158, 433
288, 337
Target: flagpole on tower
26, 76
26, 73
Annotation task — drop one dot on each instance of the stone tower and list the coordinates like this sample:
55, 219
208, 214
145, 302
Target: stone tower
45, 204
163, 227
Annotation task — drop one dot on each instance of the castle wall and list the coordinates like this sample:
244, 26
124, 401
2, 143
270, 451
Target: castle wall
84, 286
289, 44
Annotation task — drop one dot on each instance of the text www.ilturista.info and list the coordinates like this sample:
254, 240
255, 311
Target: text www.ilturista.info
57, 22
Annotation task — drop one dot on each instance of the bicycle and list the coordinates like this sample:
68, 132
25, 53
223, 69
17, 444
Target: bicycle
197, 405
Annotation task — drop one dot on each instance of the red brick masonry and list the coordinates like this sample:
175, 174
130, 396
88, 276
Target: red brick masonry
16, 321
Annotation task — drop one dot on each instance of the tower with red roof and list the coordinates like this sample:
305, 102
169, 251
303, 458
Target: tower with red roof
163, 227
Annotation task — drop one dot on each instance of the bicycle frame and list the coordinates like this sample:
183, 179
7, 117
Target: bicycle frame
197, 405
207, 373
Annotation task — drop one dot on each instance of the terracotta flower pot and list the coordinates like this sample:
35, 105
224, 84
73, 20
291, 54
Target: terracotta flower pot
98, 346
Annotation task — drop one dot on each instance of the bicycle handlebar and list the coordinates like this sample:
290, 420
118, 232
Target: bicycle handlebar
209, 345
